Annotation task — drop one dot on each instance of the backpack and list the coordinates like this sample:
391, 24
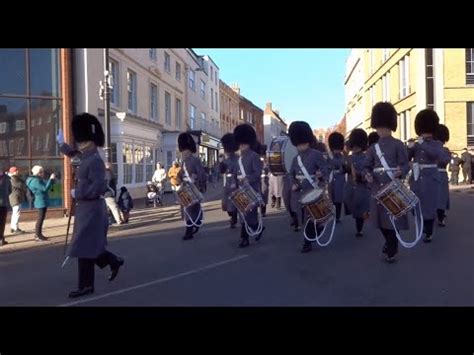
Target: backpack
30, 196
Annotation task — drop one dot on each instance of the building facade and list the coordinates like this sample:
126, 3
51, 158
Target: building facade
413, 79
273, 124
147, 107
229, 108
35, 102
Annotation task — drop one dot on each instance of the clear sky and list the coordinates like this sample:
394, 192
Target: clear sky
303, 84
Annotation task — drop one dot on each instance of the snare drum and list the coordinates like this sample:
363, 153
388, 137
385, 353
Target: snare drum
245, 199
188, 194
280, 155
397, 198
318, 205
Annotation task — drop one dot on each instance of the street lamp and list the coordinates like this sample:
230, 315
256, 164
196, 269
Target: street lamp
105, 87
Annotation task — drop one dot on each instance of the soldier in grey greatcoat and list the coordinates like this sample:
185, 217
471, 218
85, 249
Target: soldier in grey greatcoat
89, 237
313, 161
337, 177
191, 172
426, 154
442, 135
246, 138
229, 168
359, 203
384, 120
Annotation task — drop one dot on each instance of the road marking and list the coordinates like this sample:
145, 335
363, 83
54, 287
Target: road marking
169, 278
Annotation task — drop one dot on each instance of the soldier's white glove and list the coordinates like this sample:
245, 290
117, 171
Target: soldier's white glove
60, 137
73, 193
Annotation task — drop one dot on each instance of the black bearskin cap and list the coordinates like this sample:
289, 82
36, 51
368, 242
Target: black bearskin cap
336, 141
442, 133
300, 132
186, 142
426, 121
229, 144
358, 138
384, 115
372, 138
245, 134
86, 127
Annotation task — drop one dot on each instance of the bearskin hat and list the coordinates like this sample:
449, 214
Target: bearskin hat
336, 141
229, 144
245, 134
372, 138
442, 133
300, 132
384, 115
86, 127
426, 121
186, 142
358, 138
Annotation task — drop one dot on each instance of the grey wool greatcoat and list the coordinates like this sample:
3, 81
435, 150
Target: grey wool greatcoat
336, 186
395, 154
89, 236
443, 192
253, 169
359, 202
229, 167
196, 172
427, 186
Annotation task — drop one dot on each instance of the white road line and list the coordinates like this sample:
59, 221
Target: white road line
211, 266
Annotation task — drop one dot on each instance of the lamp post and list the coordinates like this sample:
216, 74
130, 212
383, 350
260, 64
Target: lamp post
105, 87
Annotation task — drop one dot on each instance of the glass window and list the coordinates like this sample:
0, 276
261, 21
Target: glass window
192, 116
132, 91
114, 158
203, 90
167, 63
178, 71
168, 107
13, 128
469, 66
470, 118
152, 54
127, 156
47, 113
139, 163
148, 163
192, 80
178, 113
13, 71
44, 72
212, 98
153, 102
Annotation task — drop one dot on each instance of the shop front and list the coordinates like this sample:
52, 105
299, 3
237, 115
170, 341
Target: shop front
208, 148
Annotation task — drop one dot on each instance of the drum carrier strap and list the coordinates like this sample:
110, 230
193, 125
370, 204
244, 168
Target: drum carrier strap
192, 223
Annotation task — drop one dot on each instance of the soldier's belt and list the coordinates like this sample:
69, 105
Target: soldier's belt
426, 166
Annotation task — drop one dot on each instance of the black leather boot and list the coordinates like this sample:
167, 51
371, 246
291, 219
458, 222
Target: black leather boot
244, 237
189, 233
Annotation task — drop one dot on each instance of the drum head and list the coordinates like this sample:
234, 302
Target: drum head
311, 196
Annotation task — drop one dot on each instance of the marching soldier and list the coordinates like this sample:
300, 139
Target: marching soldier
384, 120
265, 178
372, 138
229, 168
314, 163
89, 237
442, 135
249, 171
360, 196
192, 172
427, 153
336, 177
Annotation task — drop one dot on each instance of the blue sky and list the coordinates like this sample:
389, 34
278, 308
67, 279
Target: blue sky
304, 84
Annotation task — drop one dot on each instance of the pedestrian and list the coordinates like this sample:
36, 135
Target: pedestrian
466, 158
159, 179
336, 177
314, 163
454, 167
249, 172
111, 193
17, 197
191, 173
89, 237
229, 168
394, 152
427, 154
40, 190
442, 135
360, 196
174, 175
125, 203
5, 191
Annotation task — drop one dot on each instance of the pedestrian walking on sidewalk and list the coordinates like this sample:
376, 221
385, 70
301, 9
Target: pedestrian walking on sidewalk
40, 188
17, 197
5, 191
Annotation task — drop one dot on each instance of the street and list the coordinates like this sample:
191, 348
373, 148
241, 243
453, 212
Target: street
163, 270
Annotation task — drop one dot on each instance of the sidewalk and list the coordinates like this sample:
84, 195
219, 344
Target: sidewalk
142, 220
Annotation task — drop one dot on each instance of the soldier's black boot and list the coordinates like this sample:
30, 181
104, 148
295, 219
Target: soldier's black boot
244, 242
264, 210
307, 247
189, 233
